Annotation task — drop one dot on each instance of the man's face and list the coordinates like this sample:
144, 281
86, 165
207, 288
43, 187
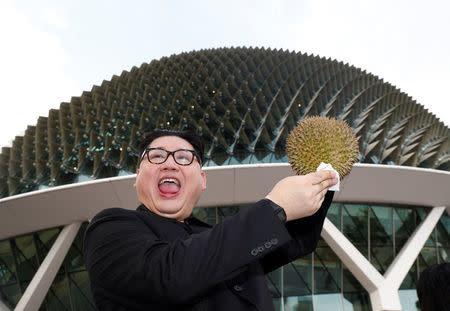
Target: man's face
169, 189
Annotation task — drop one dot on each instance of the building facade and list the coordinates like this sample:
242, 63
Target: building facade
389, 222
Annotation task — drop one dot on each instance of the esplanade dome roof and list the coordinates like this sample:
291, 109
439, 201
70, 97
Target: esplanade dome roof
243, 101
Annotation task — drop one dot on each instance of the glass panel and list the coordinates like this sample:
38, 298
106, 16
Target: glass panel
355, 226
326, 302
209, 162
113, 154
24, 285
279, 157
240, 157
43, 179
58, 296
105, 170
444, 254
7, 266
27, 259
277, 304
427, 257
381, 258
224, 212
354, 294
327, 271
299, 303
334, 214
232, 161
44, 241
72, 161
219, 155
444, 222
409, 300
86, 165
410, 280
65, 177
443, 237
262, 156
248, 160
298, 277
80, 291
382, 215
421, 213
381, 246
124, 173
129, 163
404, 225
82, 178
74, 260
207, 215
10, 295
273, 280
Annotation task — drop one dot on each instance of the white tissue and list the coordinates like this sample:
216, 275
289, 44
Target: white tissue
326, 166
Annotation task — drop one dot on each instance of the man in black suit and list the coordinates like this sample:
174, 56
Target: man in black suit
159, 257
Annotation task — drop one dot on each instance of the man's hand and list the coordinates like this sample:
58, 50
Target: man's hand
302, 196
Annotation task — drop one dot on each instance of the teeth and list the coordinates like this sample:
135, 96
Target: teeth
169, 180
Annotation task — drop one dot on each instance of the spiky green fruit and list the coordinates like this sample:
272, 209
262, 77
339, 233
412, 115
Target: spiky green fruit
321, 139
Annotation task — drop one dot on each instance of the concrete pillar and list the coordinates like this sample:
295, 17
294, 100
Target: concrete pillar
383, 290
399, 268
3, 307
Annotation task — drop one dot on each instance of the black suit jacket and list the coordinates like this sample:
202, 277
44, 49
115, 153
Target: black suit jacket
138, 260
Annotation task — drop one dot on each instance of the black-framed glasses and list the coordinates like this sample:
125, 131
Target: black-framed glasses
160, 155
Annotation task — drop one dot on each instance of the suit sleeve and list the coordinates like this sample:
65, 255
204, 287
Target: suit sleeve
125, 257
305, 233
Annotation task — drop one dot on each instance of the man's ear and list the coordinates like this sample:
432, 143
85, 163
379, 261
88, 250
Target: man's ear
137, 173
203, 180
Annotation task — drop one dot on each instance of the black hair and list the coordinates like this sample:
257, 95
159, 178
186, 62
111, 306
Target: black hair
433, 288
191, 137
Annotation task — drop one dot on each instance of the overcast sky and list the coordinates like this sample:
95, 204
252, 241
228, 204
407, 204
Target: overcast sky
53, 50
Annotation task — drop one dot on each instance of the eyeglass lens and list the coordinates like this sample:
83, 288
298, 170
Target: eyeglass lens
182, 157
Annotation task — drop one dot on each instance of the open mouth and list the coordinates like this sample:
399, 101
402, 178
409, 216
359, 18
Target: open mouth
169, 186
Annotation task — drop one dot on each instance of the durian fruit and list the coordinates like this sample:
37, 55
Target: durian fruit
321, 139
